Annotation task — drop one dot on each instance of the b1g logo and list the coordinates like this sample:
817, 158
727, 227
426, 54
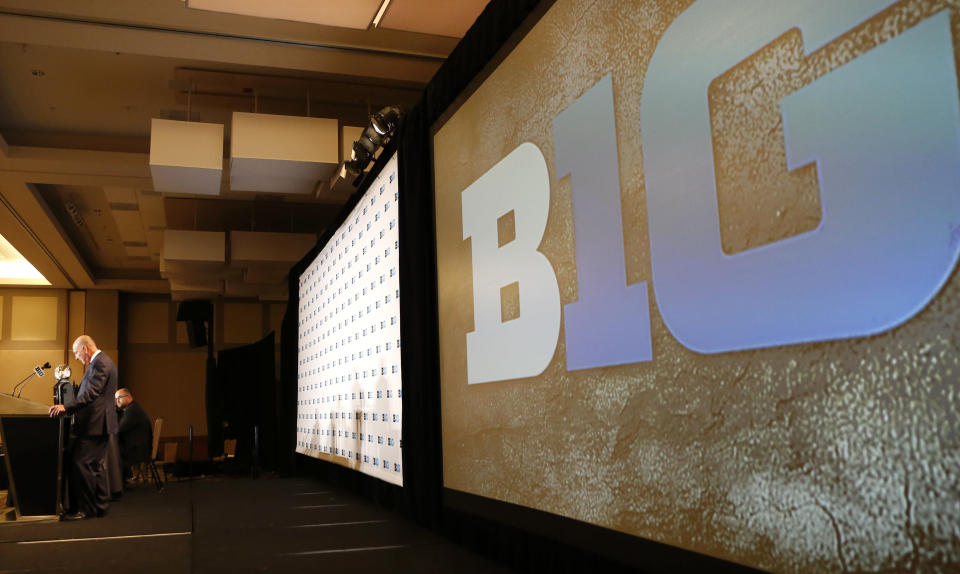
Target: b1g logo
883, 131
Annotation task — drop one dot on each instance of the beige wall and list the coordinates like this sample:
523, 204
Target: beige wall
165, 375
32, 332
139, 332
93, 313
39, 325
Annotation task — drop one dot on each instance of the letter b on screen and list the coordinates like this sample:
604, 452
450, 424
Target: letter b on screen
522, 347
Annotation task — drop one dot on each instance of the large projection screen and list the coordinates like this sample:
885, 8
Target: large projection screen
348, 388
697, 279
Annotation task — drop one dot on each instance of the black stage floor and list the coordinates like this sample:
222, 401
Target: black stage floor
235, 525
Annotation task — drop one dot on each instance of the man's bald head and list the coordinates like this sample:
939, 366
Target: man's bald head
84, 348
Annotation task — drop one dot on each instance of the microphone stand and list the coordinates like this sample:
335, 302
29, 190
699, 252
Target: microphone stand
37, 371
21, 385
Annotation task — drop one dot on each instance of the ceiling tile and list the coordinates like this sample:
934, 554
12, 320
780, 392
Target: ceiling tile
121, 195
137, 251
129, 226
151, 210
353, 14
155, 242
431, 17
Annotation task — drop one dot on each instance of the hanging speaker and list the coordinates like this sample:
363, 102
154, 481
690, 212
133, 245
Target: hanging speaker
196, 312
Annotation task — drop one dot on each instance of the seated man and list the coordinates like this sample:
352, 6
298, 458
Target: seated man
135, 432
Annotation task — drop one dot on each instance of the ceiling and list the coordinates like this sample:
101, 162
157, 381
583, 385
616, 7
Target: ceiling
80, 83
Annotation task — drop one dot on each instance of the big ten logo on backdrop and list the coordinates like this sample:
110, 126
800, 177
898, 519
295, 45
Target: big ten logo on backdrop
876, 128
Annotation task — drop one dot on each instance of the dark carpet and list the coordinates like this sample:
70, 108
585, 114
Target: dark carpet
235, 525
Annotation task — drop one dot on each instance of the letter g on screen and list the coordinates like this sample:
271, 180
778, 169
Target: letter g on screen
883, 132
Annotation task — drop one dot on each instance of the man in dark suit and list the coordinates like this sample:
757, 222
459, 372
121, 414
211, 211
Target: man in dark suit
136, 432
95, 418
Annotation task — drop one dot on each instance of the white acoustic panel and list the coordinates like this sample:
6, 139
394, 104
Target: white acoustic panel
199, 255
196, 246
186, 157
281, 154
181, 289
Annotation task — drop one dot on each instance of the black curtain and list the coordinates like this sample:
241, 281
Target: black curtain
214, 396
248, 393
422, 452
287, 423
418, 323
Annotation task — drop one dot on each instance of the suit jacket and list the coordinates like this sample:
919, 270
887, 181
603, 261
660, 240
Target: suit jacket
94, 407
136, 434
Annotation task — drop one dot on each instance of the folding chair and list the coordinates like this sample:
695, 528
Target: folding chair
151, 465
169, 457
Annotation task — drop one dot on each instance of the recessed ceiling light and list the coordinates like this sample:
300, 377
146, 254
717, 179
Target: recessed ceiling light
354, 14
383, 8
15, 269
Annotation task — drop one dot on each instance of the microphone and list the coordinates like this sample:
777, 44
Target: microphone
37, 371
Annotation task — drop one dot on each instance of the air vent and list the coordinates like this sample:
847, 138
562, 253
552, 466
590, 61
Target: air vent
74, 212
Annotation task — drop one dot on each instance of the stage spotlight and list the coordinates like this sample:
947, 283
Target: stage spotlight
363, 152
378, 132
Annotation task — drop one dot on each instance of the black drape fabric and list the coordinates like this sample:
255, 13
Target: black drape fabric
267, 405
287, 424
214, 401
418, 323
422, 448
249, 396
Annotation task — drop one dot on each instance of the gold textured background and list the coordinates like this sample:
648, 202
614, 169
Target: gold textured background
834, 456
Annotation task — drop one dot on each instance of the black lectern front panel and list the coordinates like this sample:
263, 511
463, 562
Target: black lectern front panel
32, 455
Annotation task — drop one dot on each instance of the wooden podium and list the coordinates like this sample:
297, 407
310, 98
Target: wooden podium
34, 444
